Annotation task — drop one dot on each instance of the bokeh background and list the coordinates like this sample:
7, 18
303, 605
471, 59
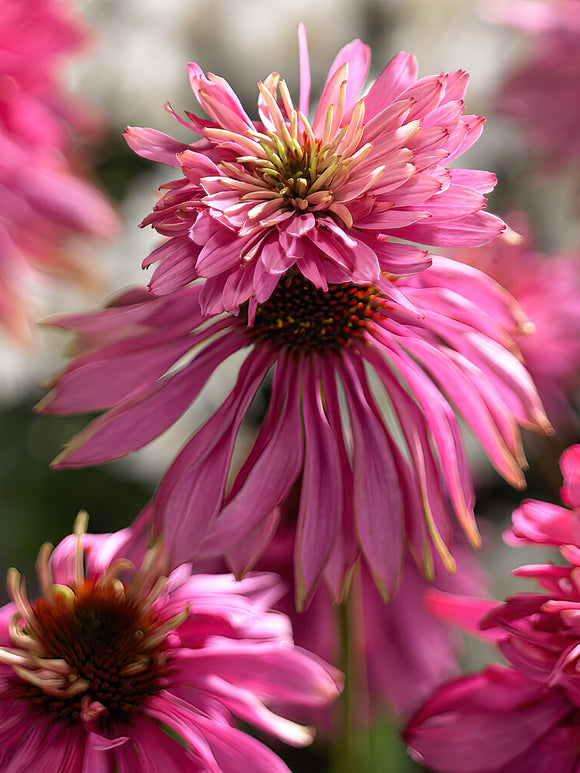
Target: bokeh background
136, 62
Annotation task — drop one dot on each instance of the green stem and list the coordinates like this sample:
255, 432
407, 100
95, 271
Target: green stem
350, 753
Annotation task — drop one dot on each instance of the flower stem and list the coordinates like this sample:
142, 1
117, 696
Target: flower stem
351, 746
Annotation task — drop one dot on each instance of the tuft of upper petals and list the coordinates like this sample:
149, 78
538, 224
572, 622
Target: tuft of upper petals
280, 194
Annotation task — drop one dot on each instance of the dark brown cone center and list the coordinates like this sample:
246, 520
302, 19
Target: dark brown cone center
300, 316
103, 640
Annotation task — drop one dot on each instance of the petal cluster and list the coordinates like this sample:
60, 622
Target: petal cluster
400, 651
362, 420
337, 196
43, 198
185, 654
526, 715
547, 287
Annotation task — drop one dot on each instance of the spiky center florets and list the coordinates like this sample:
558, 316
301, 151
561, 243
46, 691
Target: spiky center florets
103, 639
300, 316
287, 164
301, 172
93, 650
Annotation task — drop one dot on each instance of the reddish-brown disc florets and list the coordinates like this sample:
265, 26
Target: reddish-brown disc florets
303, 317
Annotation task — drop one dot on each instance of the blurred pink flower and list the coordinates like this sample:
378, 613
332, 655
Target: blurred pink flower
118, 668
542, 93
360, 415
332, 198
547, 287
43, 197
525, 716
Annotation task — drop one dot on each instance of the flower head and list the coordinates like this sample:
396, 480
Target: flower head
121, 668
43, 199
332, 197
360, 421
525, 715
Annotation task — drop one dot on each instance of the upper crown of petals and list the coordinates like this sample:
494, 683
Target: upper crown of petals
360, 157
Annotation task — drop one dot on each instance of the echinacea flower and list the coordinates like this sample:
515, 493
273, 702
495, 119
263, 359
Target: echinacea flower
525, 716
547, 287
360, 417
119, 668
331, 196
541, 94
44, 199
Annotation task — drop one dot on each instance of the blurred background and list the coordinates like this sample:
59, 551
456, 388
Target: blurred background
132, 63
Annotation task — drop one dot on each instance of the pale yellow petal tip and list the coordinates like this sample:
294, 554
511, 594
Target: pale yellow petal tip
511, 237
13, 578
44, 402
60, 457
475, 539
65, 593
297, 735
81, 523
300, 594
449, 562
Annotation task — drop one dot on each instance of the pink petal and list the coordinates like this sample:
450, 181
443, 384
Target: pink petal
479, 180
570, 466
463, 611
135, 422
154, 145
177, 267
321, 498
181, 719
191, 493
234, 750
289, 675
218, 99
358, 57
103, 378
499, 710
397, 76
376, 479
453, 203
220, 253
278, 447
304, 100
471, 231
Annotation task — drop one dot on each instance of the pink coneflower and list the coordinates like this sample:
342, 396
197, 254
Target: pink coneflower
542, 93
120, 668
332, 195
525, 716
547, 287
360, 417
43, 199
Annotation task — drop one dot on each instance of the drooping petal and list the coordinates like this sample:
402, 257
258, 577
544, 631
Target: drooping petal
321, 499
154, 145
378, 504
191, 493
256, 492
